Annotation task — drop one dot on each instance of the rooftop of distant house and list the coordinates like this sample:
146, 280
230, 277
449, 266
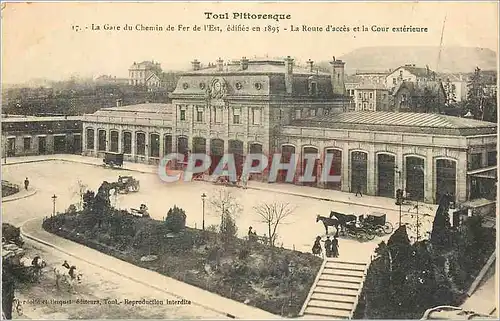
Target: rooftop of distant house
417, 71
420, 123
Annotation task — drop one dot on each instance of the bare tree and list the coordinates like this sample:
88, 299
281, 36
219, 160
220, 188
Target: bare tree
225, 204
273, 215
80, 189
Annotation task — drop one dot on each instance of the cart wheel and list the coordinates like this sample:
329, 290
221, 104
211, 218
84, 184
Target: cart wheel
388, 228
380, 231
370, 235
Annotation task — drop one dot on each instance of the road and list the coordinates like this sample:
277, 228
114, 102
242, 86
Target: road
298, 231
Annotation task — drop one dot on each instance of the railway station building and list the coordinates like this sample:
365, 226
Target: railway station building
272, 106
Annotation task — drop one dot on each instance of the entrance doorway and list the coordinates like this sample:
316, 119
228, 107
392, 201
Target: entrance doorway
42, 145
386, 165
359, 171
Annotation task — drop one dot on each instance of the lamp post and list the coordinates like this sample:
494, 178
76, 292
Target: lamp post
291, 270
203, 196
54, 205
417, 206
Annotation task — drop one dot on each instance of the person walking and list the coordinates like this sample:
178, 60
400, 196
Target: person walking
335, 247
358, 190
328, 247
26, 183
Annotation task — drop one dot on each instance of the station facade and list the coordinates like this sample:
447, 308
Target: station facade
271, 106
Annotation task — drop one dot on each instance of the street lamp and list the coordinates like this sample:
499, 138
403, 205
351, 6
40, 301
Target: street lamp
291, 270
203, 196
54, 205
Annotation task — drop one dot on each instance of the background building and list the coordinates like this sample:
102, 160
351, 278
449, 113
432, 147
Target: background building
371, 97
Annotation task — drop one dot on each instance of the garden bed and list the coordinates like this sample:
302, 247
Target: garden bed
273, 279
9, 189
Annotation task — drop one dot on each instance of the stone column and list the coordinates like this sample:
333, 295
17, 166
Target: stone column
120, 141
96, 140
146, 143
371, 184
461, 171
84, 140
345, 178
400, 171
132, 143
162, 144
429, 181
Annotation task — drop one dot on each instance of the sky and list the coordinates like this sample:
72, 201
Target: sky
38, 39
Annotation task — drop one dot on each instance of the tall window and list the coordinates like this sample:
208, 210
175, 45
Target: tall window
256, 116
359, 96
492, 158
297, 113
90, 138
475, 161
183, 114
127, 142
371, 95
141, 143
218, 115
199, 114
236, 116
27, 143
101, 143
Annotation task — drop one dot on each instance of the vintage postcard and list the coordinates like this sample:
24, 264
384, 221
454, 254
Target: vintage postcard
249, 160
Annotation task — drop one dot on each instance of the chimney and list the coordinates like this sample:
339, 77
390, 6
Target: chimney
118, 103
289, 75
195, 64
337, 76
244, 63
220, 64
310, 64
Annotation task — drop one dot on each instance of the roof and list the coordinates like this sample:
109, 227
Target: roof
370, 85
417, 71
265, 66
142, 108
18, 119
400, 122
372, 72
418, 89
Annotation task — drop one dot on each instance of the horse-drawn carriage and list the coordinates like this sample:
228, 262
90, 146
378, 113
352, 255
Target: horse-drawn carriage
362, 228
113, 159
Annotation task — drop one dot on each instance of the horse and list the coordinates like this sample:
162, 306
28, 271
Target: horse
329, 222
343, 219
67, 275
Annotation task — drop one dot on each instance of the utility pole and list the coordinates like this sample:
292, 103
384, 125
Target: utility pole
203, 196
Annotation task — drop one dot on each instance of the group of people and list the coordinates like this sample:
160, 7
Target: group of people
331, 247
252, 235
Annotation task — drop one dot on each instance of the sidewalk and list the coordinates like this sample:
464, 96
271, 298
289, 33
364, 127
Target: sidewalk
32, 229
19, 195
375, 202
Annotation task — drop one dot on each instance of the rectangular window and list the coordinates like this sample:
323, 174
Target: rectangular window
27, 143
297, 113
359, 95
475, 161
236, 116
393, 81
90, 138
313, 112
492, 158
199, 116
256, 116
183, 114
364, 95
371, 95
218, 115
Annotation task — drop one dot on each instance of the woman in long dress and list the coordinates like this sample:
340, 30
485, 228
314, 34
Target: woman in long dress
316, 249
335, 247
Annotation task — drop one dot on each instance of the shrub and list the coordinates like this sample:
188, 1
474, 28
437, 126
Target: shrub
176, 219
71, 209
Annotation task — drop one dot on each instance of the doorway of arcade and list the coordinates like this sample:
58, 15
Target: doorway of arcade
415, 178
386, 165
287, 153
313, 151
359, 171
